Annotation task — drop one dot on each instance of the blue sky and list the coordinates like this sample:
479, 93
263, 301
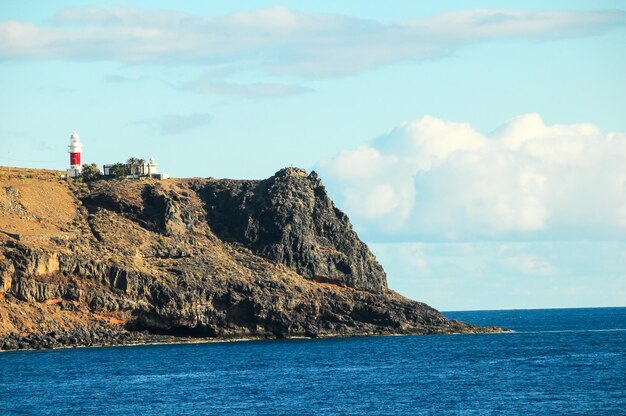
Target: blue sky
479, 152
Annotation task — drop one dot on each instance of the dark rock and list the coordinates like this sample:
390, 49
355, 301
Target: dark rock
290, 219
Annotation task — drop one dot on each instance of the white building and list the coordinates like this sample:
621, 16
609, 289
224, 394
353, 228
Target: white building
149, 169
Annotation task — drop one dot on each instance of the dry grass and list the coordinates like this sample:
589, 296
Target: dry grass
34, 202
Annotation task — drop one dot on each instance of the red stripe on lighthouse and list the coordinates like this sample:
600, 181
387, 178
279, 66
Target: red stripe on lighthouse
74, 158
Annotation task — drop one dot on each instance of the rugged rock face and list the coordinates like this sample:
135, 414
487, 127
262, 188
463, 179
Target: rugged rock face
289, 219
140, 261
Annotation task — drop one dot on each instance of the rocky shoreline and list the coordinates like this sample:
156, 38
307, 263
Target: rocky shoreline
109, 338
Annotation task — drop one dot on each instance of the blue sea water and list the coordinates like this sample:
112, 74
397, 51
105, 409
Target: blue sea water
560, 361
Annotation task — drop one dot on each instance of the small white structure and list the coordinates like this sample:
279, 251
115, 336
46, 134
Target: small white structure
75, 151
149, 169
152, 167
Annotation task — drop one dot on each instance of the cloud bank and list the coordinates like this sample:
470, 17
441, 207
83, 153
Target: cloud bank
431, 179
279, 40
495, 275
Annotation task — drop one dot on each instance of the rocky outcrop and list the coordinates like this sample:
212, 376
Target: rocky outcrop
146, 261
289, 219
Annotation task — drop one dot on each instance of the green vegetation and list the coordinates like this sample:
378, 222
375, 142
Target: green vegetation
91, 172
119, 170
132, 164
135, 166
141, 162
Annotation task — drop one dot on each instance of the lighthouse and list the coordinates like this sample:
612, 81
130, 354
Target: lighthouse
75, 150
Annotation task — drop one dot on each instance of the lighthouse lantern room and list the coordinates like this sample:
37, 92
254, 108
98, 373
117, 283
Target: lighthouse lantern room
75, 150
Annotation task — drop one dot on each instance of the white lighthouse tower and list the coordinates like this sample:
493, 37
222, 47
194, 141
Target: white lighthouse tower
75, 150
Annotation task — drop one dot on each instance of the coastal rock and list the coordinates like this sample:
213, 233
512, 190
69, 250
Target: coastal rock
289, 219
131, 261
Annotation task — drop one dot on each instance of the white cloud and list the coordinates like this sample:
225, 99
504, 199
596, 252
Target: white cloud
442, 180
245, 90
529, 265
172, 124
280, 40
495, 275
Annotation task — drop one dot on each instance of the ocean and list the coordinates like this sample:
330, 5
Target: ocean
558, 362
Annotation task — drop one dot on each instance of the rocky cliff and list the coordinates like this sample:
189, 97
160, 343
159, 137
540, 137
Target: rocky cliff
124, 261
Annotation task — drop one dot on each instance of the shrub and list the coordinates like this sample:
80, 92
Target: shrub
91, 172
119, 170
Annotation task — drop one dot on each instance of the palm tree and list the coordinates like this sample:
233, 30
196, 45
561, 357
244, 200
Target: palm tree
140, 165
132, 164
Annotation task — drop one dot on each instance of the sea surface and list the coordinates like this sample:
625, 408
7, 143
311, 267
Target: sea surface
558, 362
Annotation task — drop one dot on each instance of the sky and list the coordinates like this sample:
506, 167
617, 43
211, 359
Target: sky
479, 148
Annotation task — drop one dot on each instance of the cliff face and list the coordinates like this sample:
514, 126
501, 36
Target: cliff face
289, 219
134, 261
